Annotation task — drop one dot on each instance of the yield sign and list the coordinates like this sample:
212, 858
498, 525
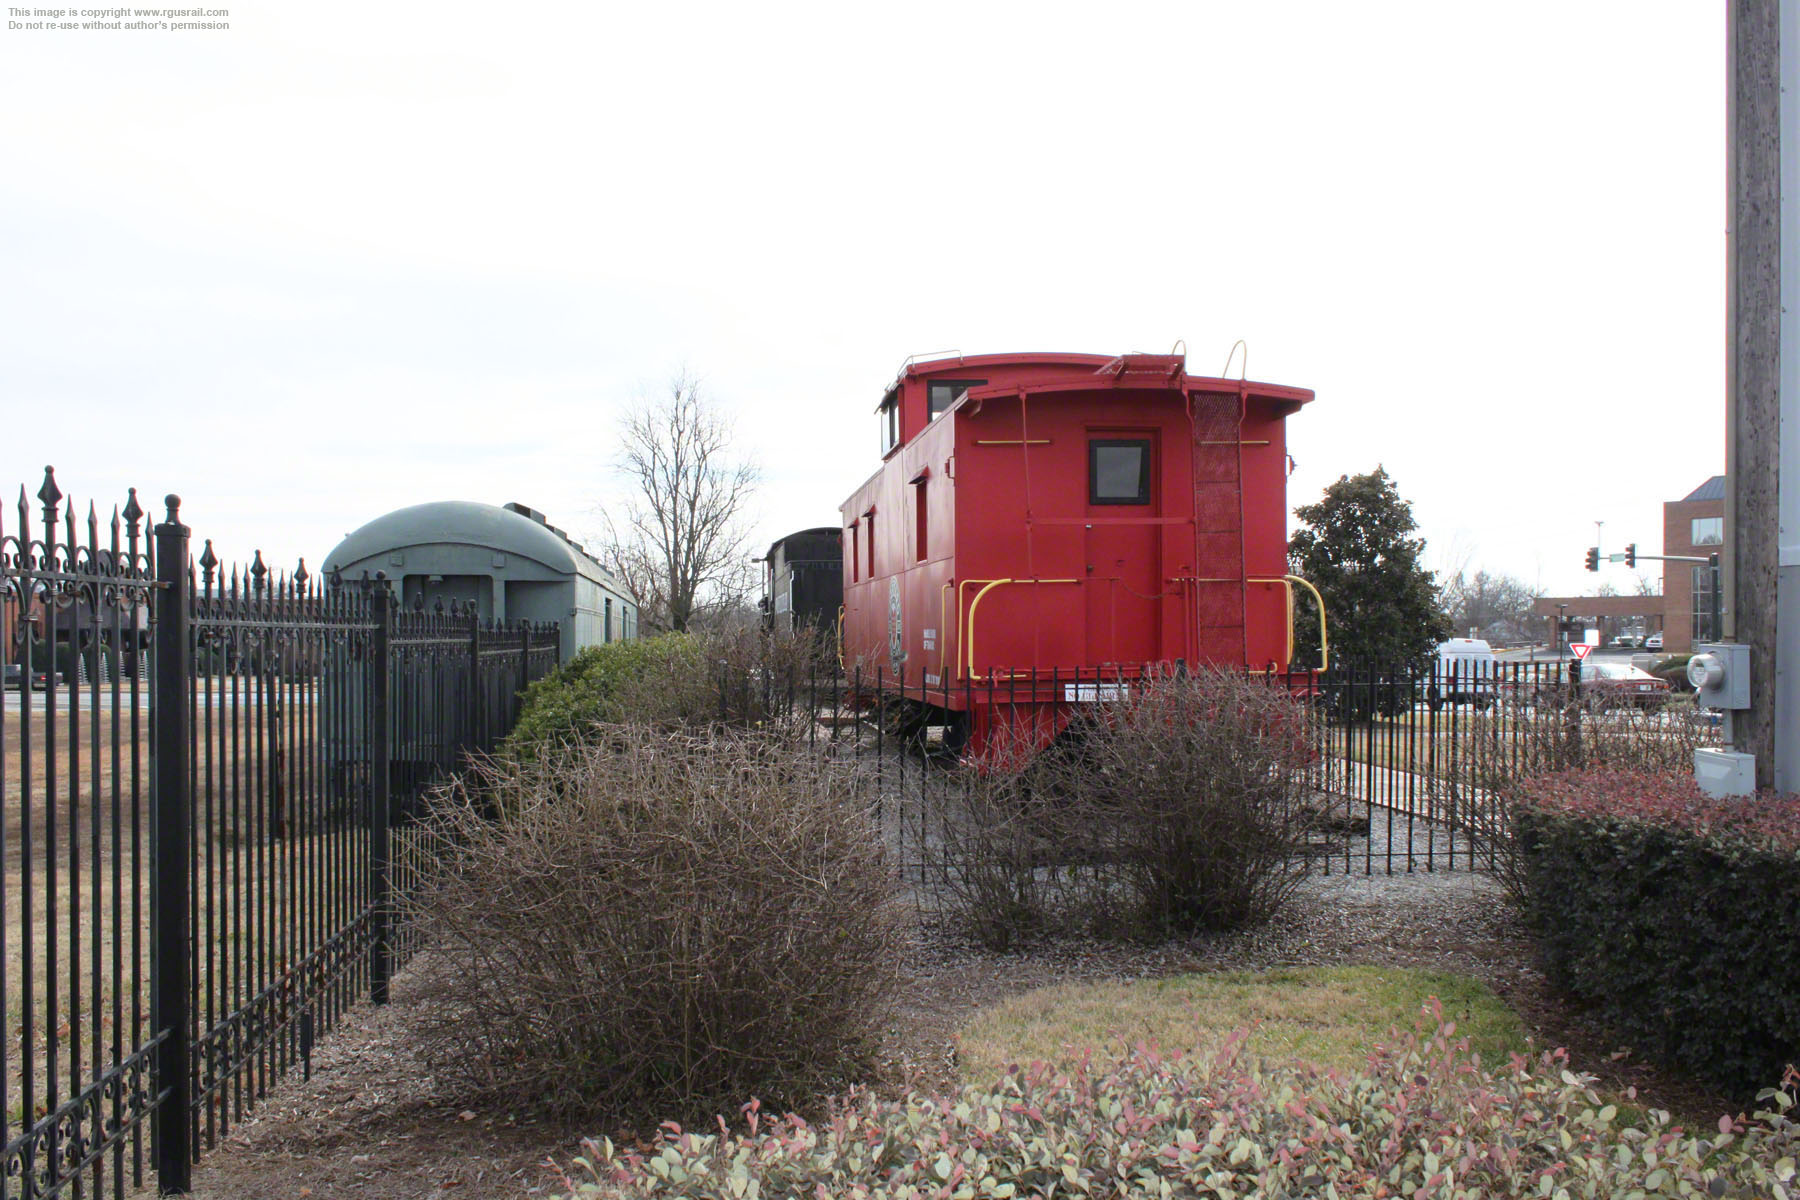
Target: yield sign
1580, 650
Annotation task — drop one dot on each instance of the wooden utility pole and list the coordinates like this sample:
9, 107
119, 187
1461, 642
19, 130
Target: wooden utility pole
1753, 319
1787, 648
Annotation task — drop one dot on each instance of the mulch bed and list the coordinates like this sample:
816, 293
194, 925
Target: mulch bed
373, 1123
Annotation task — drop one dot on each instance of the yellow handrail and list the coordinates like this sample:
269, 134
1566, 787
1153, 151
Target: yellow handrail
960, 641
968, 660
943, 607
1288, 582
966, 664
1324, 642
840, 638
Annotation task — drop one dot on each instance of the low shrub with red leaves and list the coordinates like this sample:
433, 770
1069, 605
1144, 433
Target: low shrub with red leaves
1673, 802
1424, 1119
1673, 913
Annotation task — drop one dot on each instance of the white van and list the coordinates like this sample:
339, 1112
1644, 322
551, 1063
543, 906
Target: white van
1466, 672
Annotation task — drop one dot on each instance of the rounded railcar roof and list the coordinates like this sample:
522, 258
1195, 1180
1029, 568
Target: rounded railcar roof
463, 522
815, 531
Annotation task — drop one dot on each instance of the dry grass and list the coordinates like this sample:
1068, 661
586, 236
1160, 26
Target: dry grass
1332, 1016
245, 880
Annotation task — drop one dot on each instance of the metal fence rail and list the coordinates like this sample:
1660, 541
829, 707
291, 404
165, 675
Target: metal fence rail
206, 774
1407, 772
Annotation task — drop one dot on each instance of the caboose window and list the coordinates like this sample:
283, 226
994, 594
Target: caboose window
1119, 471
890, 421
921, 521
943, 393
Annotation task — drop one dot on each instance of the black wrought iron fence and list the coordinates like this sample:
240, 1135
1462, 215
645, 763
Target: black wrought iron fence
1409, 769
207, 781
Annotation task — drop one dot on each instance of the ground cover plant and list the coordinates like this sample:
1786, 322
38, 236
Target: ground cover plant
1328, 1016
1673, 913
1421, 1118
1180, 807
656, 921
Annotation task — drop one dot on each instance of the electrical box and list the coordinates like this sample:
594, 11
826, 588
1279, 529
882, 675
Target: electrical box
1725, 773
1720, 673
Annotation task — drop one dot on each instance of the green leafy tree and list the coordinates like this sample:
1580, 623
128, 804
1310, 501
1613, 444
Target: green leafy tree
1357, 547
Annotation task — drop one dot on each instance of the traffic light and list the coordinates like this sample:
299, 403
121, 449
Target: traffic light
1593, 558
1631, 554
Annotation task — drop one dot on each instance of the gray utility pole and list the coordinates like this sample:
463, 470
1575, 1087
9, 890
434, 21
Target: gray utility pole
1755, 327
1786, 731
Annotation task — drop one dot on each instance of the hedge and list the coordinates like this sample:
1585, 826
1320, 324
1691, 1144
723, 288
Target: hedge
1674, 914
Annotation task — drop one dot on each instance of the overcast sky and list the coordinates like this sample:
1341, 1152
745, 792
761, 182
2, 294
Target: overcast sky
340, 258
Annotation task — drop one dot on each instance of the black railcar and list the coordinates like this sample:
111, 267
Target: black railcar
803, 580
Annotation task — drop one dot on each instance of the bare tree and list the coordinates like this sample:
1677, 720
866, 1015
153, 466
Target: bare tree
680, 547
1644, 585
1485, 598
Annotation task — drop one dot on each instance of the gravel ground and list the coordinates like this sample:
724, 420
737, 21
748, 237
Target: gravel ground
373, 1123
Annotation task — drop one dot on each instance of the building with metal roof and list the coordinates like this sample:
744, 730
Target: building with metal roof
506, 560
1693, 526
1712, 489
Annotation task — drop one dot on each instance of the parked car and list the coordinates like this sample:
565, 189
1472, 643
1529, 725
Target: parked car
1617, 684
1673, 669
40, 679
1625, 641
1653, 642
1466, 672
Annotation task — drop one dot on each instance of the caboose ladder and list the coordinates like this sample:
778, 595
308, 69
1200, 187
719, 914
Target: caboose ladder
1218, 529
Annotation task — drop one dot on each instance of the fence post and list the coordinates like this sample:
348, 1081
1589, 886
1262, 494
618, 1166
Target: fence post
1572, 717
477, 711
171, 804
381, 951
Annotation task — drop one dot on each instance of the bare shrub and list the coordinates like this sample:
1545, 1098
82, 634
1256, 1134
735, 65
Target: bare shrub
656, 923
1181, 808
1001, 853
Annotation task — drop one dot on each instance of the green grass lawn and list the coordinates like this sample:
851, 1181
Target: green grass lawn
1331, 1016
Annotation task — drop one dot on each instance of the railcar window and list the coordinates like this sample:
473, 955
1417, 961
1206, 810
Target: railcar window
921, 521
943, 393
890, 422
1119, 471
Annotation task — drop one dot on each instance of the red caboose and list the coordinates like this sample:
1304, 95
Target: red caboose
1046, 525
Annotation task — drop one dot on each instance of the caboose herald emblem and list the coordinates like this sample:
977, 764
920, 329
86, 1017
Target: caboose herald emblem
1060, 523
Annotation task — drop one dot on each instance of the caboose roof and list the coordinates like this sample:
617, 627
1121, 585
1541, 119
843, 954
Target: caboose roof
1092, 372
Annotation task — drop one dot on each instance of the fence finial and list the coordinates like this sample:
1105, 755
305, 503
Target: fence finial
49, 493
173, 502
132, 510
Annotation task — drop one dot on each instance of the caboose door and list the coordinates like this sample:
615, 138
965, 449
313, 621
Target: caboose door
1124, 571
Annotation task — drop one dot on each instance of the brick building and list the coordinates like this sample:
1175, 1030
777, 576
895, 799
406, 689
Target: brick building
1693, 525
